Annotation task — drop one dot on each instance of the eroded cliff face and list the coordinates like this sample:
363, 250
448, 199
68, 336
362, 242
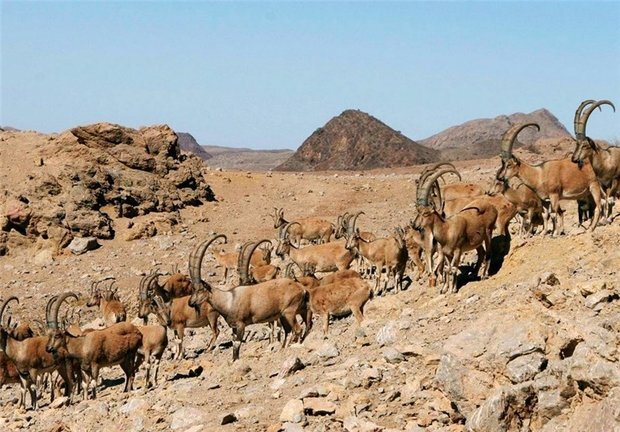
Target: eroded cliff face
76, 183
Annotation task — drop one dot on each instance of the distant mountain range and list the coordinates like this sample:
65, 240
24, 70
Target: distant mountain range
355, 140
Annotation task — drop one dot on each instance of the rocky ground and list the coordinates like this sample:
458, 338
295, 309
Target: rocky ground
534, 347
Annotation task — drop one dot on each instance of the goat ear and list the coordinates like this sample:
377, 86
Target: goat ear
74, 331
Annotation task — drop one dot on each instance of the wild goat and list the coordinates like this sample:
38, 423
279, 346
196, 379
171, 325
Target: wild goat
469, 229
453, 190
108, 302
384, 253
230, 260
528, 205
154, 343
279, 299
344, 221
326, 257
554, 179
338, 294
414, 242
311, 229
114, 345
258, 272
31, 358
176, 312
604, 161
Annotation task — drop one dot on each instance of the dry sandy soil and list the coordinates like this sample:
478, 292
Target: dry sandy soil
421, 361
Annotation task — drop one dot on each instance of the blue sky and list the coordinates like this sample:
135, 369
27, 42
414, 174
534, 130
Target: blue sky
266, 75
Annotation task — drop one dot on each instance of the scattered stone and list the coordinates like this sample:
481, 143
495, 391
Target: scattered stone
80, 245
229, 418
134, 404
59, 402
387, 334
315, 406
392, 355
293, 411
290, 366
186, 417
597, 300
327, 351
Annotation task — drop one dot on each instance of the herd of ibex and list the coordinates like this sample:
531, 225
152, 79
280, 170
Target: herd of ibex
449, 220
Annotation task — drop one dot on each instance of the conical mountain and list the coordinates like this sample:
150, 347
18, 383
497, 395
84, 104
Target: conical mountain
355, 140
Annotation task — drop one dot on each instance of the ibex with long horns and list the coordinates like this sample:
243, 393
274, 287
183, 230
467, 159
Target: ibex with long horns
114, 345
554, 180
469, 229
604, 161
31, 358
278, 299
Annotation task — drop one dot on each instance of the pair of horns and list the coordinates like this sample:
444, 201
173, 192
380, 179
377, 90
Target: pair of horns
581, 117
428, 179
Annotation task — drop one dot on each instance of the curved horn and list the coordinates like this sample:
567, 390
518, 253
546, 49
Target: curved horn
48, 309
288, 225
510, 136
5, 304
352, 224
243, 270
423, 191
429, 170
580, 108
580, 129
144, 286
290, 272
197, 255
242, 266
57, 305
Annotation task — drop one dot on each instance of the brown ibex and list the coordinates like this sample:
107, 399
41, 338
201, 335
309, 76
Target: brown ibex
31, 358
384, 253
469, 229
279, 299
311, 229
114, 345
554, 179
604, 161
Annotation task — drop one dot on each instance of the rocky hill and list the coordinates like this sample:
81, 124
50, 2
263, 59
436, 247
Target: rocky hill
481, 138
188, 143
355, 140
75, 184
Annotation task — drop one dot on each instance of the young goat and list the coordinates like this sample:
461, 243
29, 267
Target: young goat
384, 253
154, 343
